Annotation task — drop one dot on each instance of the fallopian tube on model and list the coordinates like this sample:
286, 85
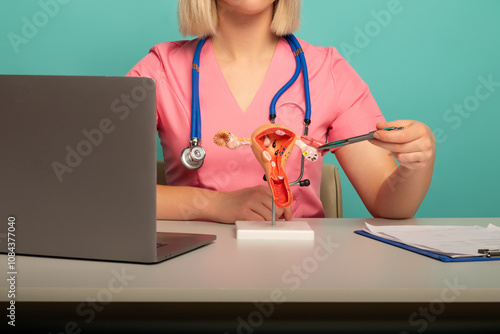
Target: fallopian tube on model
272, 145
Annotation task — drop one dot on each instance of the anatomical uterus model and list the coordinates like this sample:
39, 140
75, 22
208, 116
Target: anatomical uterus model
272, 145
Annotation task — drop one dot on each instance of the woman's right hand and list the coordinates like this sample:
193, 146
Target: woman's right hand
254, 204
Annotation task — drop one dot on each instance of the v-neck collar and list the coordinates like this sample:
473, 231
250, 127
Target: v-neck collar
262, 86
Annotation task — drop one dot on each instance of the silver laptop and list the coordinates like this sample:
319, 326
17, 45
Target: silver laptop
78, 169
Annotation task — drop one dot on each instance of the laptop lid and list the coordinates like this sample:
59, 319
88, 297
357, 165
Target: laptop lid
78, 169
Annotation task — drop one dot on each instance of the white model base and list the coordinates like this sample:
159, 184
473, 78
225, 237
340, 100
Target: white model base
283, 230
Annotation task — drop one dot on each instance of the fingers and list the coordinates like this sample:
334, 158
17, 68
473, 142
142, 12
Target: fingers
406, 135
412, 146
285, 213
395, 124
257, 205
288, 213
413, 160
266, 196
261, 204
264, 213
400, 147
250, 204
258, 216
265, 209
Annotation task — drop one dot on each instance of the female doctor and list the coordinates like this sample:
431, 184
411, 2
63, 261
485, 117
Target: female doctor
243, 63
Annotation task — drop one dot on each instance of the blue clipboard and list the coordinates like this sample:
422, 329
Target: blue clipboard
436, 256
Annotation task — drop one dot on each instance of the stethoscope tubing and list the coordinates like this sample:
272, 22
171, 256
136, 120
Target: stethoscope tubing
298, 69
195, 98
305, 75
301, 66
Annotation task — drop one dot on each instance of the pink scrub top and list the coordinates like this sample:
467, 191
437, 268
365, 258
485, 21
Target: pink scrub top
342, 106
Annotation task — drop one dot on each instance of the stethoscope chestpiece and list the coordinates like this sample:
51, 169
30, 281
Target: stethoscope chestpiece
193, 156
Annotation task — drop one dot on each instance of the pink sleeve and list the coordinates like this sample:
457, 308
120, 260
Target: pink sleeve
357, 112
149, 66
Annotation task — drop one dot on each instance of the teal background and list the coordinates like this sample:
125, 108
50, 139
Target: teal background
426, 58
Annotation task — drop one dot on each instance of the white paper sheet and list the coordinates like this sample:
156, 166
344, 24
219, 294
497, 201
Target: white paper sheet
454, 241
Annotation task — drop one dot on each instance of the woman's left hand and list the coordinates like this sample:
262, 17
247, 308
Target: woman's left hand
414, 146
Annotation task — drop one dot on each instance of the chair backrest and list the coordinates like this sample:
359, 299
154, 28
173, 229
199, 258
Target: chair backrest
331, 191
330, 195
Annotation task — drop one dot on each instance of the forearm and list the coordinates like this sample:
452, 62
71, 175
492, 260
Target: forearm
189, 203
402, 192
184, 203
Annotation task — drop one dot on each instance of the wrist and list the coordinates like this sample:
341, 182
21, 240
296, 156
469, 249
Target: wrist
212, 204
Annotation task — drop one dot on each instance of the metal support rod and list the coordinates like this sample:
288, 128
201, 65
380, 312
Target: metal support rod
274, 214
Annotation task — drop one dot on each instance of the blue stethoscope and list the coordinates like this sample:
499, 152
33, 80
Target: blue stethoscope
193, 156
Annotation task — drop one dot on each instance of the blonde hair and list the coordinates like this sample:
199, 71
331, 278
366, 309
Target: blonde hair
199, 17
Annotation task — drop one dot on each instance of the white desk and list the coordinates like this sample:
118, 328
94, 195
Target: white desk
339, 268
